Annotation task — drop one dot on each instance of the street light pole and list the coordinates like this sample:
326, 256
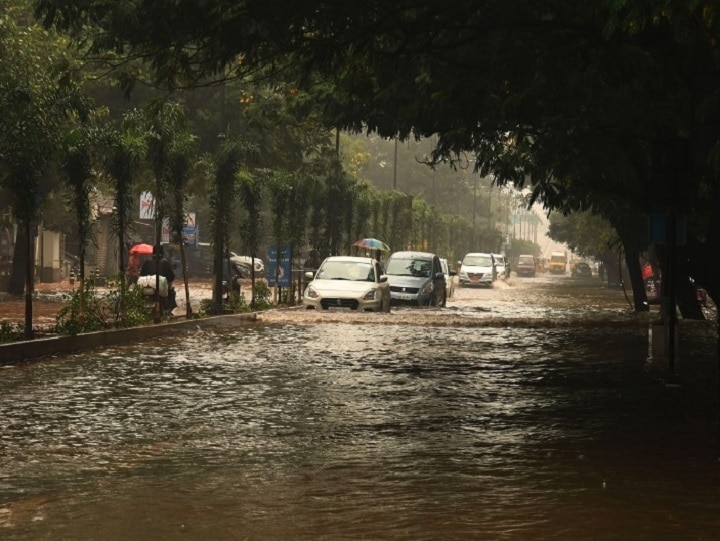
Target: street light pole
474, 210
395, 166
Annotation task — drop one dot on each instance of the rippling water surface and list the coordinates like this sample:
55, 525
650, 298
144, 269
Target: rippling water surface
322, 426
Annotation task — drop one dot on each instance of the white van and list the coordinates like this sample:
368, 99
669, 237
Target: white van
477, 269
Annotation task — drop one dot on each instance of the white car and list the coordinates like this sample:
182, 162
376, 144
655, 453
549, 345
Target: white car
477, 269
355, 283
500, 265
246, 263
449, 278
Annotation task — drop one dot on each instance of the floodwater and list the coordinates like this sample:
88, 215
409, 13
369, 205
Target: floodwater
528, 411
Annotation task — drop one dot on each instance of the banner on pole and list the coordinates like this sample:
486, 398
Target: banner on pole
147, 206
279, 266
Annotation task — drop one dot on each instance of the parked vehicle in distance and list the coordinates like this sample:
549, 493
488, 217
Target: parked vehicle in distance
245, 262
477, 269
500, 265
581, 269
558, 262
449, 278
525, 265
416, 278
348, 282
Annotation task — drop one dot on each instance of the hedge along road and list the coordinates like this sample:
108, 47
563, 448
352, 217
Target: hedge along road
528, 411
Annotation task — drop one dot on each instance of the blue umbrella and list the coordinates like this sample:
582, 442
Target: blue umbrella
372, 244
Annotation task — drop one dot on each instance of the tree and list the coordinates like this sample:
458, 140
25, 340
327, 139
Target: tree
559, 94
250, 188
182, 152
76, 166
36, 100
125, 151
167, 145
226, 164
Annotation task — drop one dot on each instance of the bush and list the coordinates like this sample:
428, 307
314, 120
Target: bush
262, 296
11, 332
102, 311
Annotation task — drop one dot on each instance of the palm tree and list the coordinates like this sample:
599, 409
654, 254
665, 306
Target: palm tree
76, 166
125, 151
182, 149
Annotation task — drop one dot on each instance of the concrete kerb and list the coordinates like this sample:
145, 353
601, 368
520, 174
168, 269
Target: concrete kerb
29, 350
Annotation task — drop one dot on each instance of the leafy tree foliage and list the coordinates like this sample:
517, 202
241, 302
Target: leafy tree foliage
35, 104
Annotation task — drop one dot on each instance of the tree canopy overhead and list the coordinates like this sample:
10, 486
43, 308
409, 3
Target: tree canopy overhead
571, 95
483, 75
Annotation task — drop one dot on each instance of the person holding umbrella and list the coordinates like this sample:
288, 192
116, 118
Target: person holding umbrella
133, 269
373, 245
160, 265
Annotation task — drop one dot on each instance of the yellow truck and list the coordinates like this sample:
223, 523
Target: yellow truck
558, 263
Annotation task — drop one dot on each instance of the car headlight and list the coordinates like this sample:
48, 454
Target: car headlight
463, 274
311, 293
427, 288
371, 295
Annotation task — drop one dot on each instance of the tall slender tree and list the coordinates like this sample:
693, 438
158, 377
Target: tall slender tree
125, 151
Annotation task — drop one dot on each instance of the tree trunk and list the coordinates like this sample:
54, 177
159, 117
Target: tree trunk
632, 260
16, 285
183, 262
29, 281
686, 292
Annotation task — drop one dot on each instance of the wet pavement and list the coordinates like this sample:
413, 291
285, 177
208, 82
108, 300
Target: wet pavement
528, 411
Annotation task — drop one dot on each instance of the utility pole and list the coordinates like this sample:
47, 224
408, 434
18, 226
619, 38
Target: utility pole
474, 209
395, 166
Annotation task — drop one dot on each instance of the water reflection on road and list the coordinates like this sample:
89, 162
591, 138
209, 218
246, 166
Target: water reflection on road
418, 424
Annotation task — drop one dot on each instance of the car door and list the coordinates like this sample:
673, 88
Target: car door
383, 286
438, 282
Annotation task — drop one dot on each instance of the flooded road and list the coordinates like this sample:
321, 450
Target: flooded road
526, 411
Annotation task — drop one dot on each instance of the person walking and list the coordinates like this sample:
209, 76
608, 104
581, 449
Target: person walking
133, 269
158, 264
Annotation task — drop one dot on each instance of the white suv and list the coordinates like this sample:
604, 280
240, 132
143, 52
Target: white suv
477, 269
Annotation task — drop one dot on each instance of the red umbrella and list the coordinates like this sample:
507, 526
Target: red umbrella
142, 249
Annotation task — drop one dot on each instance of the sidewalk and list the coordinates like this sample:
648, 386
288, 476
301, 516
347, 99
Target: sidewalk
49, 298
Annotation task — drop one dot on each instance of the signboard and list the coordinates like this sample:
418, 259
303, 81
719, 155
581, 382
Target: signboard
189, 232
280, 264
147, 206
165, 233
659, 229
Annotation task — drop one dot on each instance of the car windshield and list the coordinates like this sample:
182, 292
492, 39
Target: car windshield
346, 270
477, 261
526, 260
409, 267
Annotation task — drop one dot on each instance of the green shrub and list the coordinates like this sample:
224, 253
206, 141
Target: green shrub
11, 332
262, 295
102, 311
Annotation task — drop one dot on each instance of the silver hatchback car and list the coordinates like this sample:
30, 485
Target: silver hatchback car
416, 278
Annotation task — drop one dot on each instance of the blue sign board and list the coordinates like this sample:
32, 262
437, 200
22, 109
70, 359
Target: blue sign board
189, 236
659, 229
279, 266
